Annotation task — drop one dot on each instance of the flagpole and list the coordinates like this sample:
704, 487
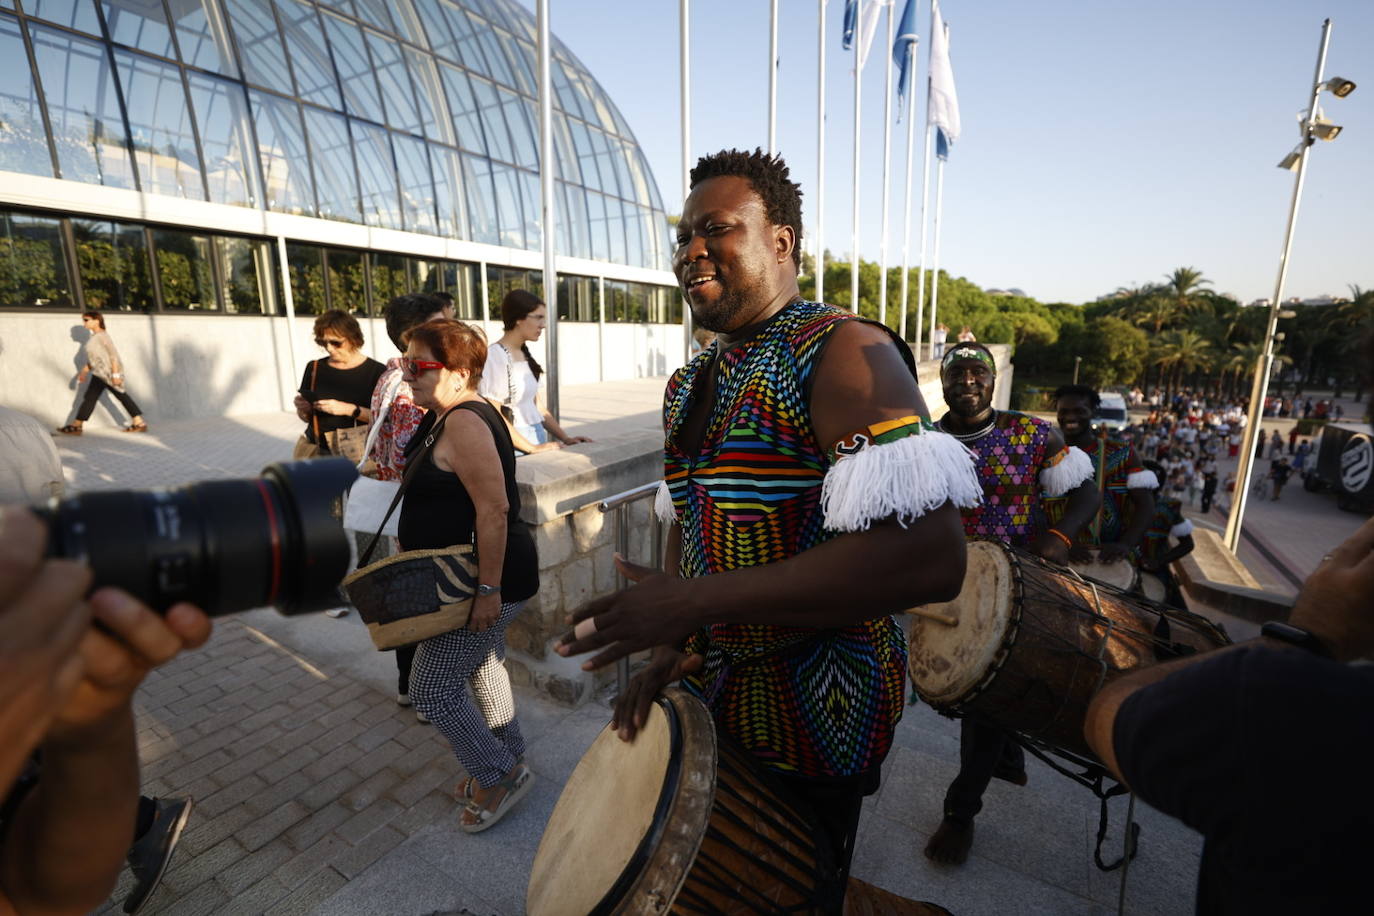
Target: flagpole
921, 261
772, 77
906, 203
935, 261
685, 108
854, 237
820, 156
546, 175
887, 171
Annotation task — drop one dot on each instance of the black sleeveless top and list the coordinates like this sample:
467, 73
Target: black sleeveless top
438, 512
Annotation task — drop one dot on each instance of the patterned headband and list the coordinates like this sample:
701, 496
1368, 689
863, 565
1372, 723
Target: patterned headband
977, 353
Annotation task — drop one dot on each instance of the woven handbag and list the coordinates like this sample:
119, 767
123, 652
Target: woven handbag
416, 594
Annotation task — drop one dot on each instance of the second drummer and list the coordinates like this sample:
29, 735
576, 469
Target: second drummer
1020, 460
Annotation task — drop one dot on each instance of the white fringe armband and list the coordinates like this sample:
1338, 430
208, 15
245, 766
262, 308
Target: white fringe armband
1182, 529
1067, 473
906, 478
663, 504
1144, 479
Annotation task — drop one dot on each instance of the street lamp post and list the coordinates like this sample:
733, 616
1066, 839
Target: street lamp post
1076, 361
1312, 127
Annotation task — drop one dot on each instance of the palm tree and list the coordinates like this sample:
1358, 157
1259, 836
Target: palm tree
1183, 351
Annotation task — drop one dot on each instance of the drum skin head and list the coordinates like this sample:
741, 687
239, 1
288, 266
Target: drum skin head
1120, 574
1153, 587
606, 809
946, 662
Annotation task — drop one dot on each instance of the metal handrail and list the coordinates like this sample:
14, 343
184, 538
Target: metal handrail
620, 504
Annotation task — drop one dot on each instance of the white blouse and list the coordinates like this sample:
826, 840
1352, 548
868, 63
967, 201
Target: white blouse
511, 382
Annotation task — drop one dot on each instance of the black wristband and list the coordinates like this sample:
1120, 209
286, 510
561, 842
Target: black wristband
357, 411
1296, 636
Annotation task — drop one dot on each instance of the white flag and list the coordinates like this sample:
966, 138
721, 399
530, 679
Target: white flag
870, 27
943, 105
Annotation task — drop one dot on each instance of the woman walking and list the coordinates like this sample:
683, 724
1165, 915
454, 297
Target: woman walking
464, 493
511, 376
107, 371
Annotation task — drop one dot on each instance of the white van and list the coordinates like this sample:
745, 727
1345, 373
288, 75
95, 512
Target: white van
1111, 413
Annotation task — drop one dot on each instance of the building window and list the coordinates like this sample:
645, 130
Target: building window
113, 262
578, 299
388, 277
185, 276
33, 270
460, 281
347, 281
160, 123
23, 147
305, 264
248, 275
501, 280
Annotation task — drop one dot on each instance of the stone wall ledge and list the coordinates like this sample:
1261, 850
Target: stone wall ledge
555, 484
1216, 577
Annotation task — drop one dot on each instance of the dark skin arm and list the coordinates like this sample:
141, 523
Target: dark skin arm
1180, 550
861, 380
1141, 512
1334, 605
1083, 501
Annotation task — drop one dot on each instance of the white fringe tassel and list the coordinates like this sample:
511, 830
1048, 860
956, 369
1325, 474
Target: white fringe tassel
1072, 470
906, 478
1142, 480
663, 504
1182, 529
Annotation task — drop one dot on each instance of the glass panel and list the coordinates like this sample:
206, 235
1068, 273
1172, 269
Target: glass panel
464, 107
522, 58
408, 23
577, 299
259, 41
305, 45
615, 230
204, 40
481, 199
508, 205
436, 28
568, 168
532, 207
429, 97
76, 14
423, 276
637, 170
331, 150
32, 269
496, 58
596, 213
489, 107
651, 197
388, 277
139, 24
87, 126
374, 12
183, 270
23, 140
501, 280
617, 300
609, 181
160, 121
377, 175
355, 70
417, 189
574, 217
113, 261
616, 146
448, 194
466, 43
523, 121
246, 268
281, 150
347, 288
460, 280
395, 83
634, 235
586, 155
222, 114
305, 264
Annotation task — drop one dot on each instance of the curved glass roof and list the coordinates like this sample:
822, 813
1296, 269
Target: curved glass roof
416, 115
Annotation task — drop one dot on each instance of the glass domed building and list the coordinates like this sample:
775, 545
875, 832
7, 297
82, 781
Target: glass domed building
248, 161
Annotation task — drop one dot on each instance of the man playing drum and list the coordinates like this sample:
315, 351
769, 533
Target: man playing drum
1127, 487
802, 478
1020, 459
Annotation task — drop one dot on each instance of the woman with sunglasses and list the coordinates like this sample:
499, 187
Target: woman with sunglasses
464, 493
336, 390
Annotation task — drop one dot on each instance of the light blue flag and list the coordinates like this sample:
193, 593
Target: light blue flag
941, 144
851, 21
904, 53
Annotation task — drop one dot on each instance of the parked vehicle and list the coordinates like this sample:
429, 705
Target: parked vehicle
1112, 411
1343, 462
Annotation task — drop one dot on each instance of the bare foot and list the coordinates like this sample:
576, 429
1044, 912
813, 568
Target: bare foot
951, 843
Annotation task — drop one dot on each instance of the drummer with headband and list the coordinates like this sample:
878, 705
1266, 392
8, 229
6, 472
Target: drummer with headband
1126, 485
1020, 460
802, 478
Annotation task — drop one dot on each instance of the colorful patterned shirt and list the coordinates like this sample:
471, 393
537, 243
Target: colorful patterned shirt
1120, 462
1010, 458
811, 702
1168, 520
400, 423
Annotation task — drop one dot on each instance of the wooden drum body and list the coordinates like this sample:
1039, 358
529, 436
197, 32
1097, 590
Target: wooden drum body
675, 822
1027, 644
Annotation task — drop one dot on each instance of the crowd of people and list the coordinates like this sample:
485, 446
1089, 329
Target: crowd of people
807, 423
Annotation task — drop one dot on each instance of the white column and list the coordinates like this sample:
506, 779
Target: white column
546, 175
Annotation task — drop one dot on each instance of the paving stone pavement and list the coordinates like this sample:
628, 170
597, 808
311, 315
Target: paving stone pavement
315, 793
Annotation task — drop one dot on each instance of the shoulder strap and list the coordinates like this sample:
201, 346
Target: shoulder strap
388, 396
314, 414
412, 467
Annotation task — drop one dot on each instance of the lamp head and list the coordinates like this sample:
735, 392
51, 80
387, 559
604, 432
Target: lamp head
1323, 129
1339, 86
1290, 162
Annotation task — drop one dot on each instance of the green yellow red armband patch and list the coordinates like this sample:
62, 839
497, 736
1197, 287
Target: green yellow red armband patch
879, 434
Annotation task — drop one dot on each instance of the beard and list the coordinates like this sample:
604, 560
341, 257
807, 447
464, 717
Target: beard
732, 309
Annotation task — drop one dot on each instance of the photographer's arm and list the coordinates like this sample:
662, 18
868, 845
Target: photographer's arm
68, 838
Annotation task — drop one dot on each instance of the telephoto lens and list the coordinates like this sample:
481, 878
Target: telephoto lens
223, 545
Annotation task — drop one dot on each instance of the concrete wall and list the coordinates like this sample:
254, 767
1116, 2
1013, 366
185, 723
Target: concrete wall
187, 366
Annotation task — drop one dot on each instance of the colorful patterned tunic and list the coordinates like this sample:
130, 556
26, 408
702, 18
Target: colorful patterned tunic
1118, 459
811, 702
1010, 458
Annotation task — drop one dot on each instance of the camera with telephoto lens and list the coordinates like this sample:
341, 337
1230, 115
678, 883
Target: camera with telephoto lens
223, 545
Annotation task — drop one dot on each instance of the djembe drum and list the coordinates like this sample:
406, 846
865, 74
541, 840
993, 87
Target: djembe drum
1027, 644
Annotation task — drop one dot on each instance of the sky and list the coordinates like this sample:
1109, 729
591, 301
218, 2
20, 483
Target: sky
1105, 142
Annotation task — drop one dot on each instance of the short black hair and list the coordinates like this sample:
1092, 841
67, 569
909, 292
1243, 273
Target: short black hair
768, 175
1079, 391
406, 312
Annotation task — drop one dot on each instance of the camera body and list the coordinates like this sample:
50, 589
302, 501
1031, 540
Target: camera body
224, 545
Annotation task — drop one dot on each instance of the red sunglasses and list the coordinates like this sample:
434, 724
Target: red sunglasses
416, 366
